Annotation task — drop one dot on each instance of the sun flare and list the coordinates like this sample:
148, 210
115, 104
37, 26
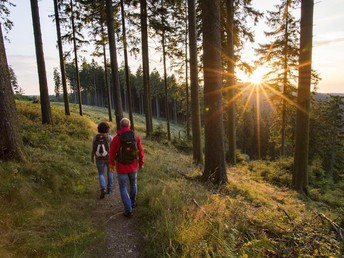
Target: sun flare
257, 77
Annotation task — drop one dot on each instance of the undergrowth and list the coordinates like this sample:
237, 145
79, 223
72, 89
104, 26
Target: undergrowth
246, 218
46, 201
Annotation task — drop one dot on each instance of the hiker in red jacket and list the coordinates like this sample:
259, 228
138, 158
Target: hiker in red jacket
126, 155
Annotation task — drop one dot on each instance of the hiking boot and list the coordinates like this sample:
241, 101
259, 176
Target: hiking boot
128, 214
102, 194
134, 205
108, 191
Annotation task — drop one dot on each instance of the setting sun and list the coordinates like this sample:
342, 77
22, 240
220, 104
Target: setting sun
257, 77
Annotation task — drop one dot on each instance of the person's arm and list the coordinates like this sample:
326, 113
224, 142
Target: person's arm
141, 152
92, 150
114, 147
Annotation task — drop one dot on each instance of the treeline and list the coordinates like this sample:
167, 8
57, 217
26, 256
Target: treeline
92, 81
255, 124
202, 43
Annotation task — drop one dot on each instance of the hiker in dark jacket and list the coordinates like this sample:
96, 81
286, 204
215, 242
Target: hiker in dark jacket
100, 150
126, 154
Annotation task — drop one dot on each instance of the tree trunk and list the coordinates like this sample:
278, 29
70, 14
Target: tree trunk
165, 82
285, 90
157, 107
145, 68
231, 84
62, 62
126, 67
187, 115
114, 65
106, 77
175, 113
300, 174
215, 166
76, 59
11, 145
195, 113
42, 76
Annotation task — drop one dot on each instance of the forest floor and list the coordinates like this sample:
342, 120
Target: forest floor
122, 236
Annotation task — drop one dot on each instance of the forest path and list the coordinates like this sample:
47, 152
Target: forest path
122, 236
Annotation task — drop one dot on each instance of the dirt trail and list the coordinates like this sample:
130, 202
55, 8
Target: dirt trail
122, 235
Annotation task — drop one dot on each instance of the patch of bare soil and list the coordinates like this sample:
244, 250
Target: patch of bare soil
122, 238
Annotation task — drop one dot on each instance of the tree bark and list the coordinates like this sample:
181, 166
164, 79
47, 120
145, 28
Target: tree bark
165, 82
145, 69
300, 174
231, 112
195, 112
114, 65
126, 67
285, 90
76, 60
62, 62
11, 145
215, 167
187, 116
42, 76
106, 77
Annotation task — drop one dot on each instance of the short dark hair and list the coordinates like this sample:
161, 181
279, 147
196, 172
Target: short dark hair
103, 127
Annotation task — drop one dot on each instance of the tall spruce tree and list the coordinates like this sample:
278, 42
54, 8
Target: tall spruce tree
237, 31
61, 56
114, 64
145, 68
300, 172
126, 67
215, 167
11, 145
195, 107
42, 76
281, 56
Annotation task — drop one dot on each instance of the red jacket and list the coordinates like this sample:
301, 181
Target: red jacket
114, 148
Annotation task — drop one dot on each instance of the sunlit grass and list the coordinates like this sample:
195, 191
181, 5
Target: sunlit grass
49, 197
246, 218
45, 204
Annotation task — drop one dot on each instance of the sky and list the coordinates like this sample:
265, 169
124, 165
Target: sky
328, 44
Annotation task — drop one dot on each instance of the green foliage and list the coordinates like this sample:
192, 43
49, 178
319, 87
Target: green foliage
182, 144
45, 202
278, 173
246, 218
159, 134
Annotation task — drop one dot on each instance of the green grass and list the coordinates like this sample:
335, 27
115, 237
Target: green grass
46, 202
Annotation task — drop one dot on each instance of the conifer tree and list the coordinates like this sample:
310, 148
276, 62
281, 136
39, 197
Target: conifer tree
62, 59
215, 167
42, 76
11, 145
300, 172
195, 107
281, 56
114, 64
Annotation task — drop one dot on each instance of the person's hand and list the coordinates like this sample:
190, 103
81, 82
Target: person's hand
141, 168
111, 167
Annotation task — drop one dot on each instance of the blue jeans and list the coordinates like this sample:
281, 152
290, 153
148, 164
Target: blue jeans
101, 165
128, 199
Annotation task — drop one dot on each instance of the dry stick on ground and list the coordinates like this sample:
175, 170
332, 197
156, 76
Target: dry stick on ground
111, 218
336, 227
289, 218
199, 206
